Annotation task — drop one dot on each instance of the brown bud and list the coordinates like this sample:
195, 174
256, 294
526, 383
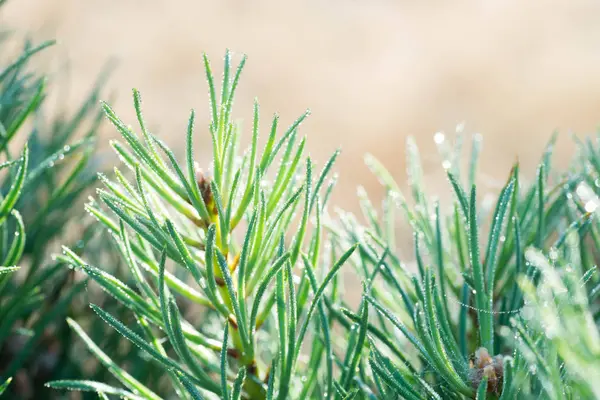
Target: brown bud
485, 366
206, 192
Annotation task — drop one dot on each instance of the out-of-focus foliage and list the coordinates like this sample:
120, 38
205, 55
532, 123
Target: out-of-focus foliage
46, 168
508, 314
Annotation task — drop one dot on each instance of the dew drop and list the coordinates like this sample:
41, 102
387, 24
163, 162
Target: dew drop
505, 331
439, 137
527, 313
591, 206
569, 268
533, 369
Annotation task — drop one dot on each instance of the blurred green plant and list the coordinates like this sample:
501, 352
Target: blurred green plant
46, 169
466, 322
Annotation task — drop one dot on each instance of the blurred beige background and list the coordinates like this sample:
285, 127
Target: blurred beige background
372, 72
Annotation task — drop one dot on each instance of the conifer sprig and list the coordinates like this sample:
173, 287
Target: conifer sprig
229, 242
